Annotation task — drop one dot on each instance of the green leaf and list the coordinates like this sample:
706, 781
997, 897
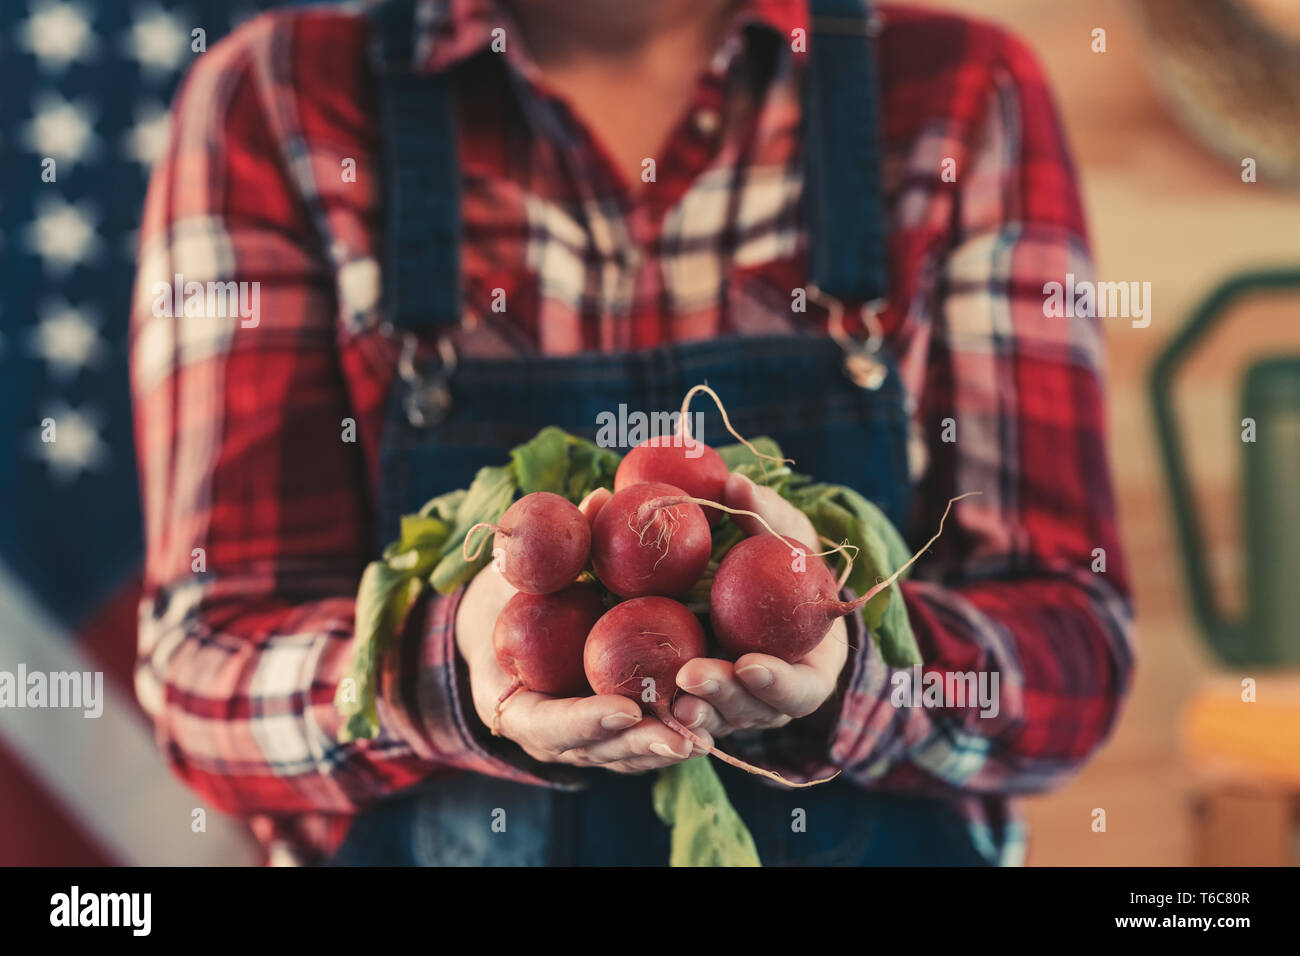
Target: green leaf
895, 636
706, 830
841, 514
487, 500
737, 454
590, 467
769, 474
837, 524
425, 535
444, 506
897, 552
421, 531
542, 463
386, 593
888, 551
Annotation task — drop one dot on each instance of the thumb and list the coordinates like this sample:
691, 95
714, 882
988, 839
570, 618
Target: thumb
591, 505
788, 520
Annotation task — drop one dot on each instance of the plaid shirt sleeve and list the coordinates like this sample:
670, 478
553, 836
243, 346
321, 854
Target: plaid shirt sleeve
255, 502
1010, 404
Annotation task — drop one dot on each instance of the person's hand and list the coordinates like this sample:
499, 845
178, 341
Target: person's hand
606, 731
760, 691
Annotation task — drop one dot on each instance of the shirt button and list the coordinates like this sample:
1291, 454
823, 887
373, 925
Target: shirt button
706, 121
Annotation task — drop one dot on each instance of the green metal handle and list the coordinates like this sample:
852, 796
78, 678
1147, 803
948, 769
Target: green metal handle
1224, 635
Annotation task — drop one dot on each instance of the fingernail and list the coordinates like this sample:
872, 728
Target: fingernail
755, 675
663, 750
705, 689
619, 721
696, 722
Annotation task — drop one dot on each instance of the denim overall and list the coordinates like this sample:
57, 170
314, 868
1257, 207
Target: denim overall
841, 421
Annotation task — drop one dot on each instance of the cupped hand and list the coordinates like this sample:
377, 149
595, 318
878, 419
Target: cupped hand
760, 691
606, 730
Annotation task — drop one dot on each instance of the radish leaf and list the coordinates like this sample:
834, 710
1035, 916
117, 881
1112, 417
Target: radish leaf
542, 463
487, 500
706, 830
386, 591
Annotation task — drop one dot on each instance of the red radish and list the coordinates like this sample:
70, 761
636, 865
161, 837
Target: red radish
638, 647
539, 639
542, 542
591, 505
684, 463
768, 599
641, 547
636, 650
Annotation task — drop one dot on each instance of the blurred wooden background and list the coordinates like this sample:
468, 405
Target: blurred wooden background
1161, 209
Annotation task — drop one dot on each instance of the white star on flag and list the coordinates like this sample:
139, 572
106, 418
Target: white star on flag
66, 338
74, 445
61, 129
57, 34
156, 40
147, 139
63, 234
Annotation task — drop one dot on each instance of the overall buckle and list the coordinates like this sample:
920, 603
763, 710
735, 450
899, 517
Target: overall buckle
862, 364
428, 396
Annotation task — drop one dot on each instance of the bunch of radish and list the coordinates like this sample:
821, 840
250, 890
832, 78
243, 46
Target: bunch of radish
600, 603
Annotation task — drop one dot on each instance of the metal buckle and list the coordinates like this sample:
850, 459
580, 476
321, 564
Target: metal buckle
428, 399
862, 365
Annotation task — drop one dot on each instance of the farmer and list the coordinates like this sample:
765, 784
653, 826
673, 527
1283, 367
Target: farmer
470, 219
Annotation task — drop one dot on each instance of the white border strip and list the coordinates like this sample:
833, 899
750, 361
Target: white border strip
106, 771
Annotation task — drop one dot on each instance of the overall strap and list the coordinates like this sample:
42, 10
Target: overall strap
422, 282
843, 200
843, 197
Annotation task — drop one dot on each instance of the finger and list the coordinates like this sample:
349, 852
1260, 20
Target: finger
574, 758
833, 652
797, 689
715, 682
650, 738
633, 766
555, 725
793, 689
697, 715
591, 505
638, 765
788, 520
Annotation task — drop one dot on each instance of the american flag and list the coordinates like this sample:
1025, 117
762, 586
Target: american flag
86, 85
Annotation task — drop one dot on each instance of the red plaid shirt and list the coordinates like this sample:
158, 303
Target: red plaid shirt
258, 515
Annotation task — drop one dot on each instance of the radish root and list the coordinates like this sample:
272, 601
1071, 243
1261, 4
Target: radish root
464, 548
675, 725
842, 548
668, 501
686, 408
667, 519
515, 687
912, 560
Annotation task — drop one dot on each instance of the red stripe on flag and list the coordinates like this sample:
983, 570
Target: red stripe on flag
35, 830
109, 635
